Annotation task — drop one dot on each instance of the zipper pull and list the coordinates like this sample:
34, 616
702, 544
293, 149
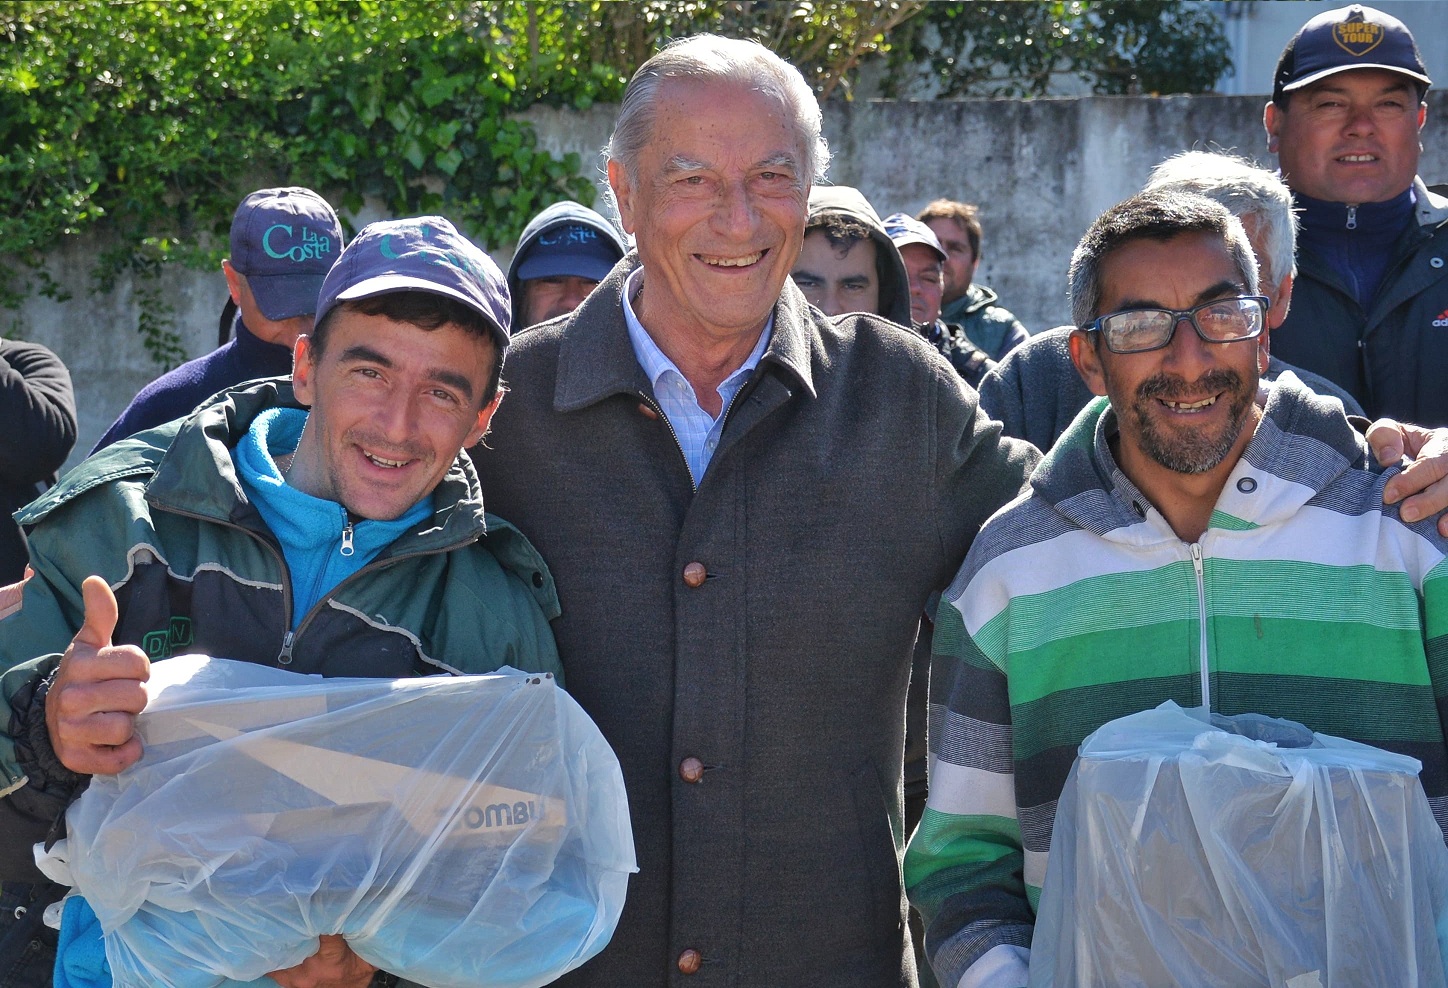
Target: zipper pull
1352, 217
284, 657
347, 549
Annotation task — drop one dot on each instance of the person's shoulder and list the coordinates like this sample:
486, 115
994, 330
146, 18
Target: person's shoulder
869, 330
1432, 204
14, 351
133, 460
994, 311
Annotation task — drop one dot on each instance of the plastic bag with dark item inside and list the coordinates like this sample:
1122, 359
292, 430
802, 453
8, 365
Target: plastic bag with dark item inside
1243, 851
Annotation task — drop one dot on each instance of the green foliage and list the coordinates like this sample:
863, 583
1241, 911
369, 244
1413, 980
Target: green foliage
1019, 49
150, 120
827, 41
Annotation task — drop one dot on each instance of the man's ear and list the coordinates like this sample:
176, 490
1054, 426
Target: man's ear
1087, 360
1281, 304
233, 281
485, 419
1272, 123
622, 193
303, 365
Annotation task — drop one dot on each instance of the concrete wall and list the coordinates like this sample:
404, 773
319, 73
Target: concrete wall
1040, 170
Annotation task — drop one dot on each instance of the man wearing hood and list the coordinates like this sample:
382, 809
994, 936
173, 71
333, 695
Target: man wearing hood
563, 253
848, 262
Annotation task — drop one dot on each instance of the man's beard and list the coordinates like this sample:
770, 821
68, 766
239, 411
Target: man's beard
1190, 449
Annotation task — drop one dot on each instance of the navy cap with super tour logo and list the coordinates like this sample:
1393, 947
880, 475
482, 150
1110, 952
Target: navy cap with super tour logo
1347, 38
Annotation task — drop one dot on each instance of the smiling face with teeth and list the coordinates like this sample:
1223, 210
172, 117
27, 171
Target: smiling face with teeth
1187, 409
392, 404
1352, 138
717, 205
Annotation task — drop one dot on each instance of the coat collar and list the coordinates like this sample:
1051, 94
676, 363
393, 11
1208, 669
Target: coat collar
596, 360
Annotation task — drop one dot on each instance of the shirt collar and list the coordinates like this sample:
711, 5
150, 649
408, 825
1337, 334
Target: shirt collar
655, 362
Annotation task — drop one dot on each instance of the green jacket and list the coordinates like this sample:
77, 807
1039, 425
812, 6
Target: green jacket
163, 519
990, 326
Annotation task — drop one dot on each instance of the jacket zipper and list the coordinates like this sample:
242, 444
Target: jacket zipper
648, 399
284, 656
1202, 623
1352, 217
376, 564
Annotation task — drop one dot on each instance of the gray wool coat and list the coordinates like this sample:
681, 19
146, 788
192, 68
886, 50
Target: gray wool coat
756, 700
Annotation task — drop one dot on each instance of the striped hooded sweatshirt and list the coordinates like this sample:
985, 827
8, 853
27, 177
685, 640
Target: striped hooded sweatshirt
1306, 598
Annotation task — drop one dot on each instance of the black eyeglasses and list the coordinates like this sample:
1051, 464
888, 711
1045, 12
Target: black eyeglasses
1226, 320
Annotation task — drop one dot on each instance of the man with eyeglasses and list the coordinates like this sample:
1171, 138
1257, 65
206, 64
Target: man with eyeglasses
1197, 535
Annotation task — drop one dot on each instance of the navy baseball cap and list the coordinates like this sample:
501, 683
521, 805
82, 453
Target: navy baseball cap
569, 250
1355, 37
904, 229
424, 254
284, 241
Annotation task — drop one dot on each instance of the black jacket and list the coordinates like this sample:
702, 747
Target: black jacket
37, 431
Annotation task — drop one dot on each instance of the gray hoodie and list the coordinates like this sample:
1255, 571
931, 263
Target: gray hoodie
894, 286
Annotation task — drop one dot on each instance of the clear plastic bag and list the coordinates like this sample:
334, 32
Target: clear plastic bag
1240, 851
459, 831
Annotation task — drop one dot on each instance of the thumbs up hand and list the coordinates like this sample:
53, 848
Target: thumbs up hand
90, 710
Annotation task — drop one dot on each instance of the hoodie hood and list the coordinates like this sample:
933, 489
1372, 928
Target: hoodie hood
894, 286
565, 213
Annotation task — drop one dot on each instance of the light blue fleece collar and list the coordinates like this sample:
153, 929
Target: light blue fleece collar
311, 530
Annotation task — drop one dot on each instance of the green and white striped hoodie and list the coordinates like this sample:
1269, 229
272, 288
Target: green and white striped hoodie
1306, 598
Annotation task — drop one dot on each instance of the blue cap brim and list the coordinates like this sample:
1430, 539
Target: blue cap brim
286, 296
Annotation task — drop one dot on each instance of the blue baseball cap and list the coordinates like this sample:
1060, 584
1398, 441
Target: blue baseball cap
423, 254
569, 250
1354, 37
285, 241
904, 229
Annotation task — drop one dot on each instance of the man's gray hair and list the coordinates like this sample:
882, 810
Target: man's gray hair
1248, 191
710, 58
1152, 215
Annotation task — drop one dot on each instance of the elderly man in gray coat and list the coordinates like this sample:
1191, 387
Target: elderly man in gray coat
746, 506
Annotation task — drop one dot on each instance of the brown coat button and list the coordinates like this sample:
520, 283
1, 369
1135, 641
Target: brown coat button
694, 574
647, 412
690, 961
691, 769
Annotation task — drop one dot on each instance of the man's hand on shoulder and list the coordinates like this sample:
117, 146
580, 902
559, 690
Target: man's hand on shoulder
91, 706
1422, 486
334, 965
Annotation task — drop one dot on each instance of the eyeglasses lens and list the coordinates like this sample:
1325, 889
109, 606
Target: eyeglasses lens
1149, 329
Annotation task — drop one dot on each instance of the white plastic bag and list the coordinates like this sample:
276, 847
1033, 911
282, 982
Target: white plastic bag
459, 831
1248, 851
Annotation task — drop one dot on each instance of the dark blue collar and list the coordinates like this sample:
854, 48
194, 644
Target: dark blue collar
1370, 219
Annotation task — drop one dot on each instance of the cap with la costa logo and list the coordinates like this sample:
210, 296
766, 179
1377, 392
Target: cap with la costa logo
424, 254
285, 241
1347, 38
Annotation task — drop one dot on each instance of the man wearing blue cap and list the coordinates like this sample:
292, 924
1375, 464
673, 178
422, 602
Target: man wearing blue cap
564, 252
283, 243
925, 261
330, 524
1370, 304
